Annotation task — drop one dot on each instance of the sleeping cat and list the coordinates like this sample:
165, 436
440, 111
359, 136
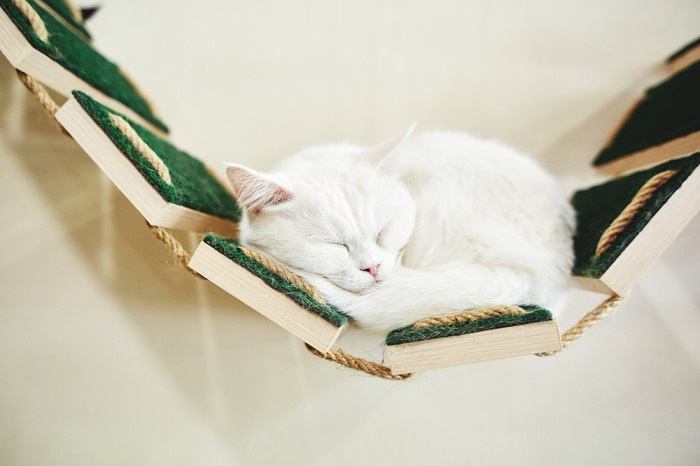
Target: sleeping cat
423, 224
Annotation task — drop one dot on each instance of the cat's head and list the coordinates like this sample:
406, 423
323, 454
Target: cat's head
333, 211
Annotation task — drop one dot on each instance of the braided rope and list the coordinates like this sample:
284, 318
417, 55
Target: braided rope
639, 200
279, 269
42, 96
601, 311
174, 247
34, 19
468, 316
353, 362
40, 92
141, 146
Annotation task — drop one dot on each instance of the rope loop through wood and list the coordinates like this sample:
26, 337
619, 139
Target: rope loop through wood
175, 248
34, 19
637, 203
338, 356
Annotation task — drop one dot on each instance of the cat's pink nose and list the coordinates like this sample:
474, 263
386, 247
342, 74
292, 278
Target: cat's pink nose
372, 270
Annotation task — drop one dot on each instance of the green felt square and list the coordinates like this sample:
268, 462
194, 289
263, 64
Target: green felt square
410, 335
62, 9
77, 56
598, 206
230, 248
668, 111
192, 184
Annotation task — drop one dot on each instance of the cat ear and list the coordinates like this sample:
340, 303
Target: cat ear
255, 191
379, 153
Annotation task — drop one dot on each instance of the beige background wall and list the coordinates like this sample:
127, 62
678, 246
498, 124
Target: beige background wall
109, 354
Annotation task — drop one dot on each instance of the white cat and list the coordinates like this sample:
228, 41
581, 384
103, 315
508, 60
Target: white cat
421, 225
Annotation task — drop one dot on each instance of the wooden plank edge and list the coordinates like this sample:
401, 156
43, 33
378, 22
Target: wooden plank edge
676, 148
591, 284
655, 237
119, 169
256, 294
64, 21
684, 60
489, 345
21, 55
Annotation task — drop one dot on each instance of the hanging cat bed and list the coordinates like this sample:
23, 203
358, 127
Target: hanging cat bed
624, 223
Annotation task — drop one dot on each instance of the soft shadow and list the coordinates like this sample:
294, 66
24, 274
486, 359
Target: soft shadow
225, 359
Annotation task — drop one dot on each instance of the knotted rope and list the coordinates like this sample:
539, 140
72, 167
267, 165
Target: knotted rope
34, 19
637, 203
283, 272
338, 356
174, 247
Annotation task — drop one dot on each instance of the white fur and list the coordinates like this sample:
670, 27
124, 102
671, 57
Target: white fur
462, 223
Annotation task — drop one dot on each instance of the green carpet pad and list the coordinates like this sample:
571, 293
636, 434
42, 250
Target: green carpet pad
68, 14
667, 111
409, 334
598, 206
79, 57
192, 185
230, 248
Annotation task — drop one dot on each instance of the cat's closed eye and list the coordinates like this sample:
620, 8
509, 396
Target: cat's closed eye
344, 245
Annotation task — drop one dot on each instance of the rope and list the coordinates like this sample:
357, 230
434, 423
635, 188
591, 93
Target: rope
468, 316
279, 269
141, 146
601, 311
353, 362
40, 92
34, 19
42, 96
638, 202
174, 247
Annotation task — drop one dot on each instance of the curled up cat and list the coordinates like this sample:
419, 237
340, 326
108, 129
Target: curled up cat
423, 224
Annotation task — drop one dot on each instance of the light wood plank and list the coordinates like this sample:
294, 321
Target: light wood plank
26, 58
650, 156
272, 304
651, 242
688, 58
488, 345
131, 182
655, 237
